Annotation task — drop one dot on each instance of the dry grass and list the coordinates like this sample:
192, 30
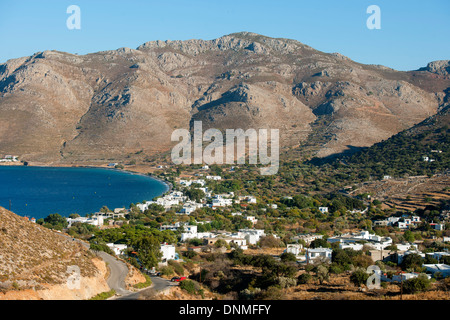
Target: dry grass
32, 256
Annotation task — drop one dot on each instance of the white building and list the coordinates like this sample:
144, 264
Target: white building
308, 238
252, 219
323, 209
402, 255
190, 232
215, 178
351, 240
221, 201
438, 255
252, 235
248, 199
10, 158
443, 269
322, 254
406, 276
172, 227
118, 249
437, 226
168, 252
174, 198
295, 249
188, 183
190, 206
95, 220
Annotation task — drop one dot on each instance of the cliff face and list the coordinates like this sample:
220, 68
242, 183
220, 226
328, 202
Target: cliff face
59, 107
36, 263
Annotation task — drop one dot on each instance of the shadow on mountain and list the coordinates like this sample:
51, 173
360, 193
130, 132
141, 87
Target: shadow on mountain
351, 150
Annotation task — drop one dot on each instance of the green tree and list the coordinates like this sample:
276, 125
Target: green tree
287, 256
412, 261
148, 249
320, 243
56, 220
195, 194
359, 277
304, 278
418, 284
322, 273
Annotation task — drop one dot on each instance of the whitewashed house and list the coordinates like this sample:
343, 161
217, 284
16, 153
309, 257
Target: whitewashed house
323, 209
406, 276
443, 269
321, 254
215, 178
295, 249
168, 252
252, 219
118, 249
252, 235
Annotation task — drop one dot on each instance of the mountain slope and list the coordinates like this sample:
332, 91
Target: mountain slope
59, 107
34, 263
423, 149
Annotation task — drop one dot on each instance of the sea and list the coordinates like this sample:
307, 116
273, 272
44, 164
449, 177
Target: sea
36, 192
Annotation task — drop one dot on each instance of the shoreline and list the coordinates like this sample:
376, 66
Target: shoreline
167, 184
44, 165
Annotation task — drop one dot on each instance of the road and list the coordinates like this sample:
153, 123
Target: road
158, 284
118, 273
118, 269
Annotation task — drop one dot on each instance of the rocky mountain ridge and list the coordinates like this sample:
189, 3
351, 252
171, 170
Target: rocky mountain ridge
57, 107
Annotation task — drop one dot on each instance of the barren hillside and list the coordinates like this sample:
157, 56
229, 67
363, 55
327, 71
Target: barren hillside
36, 263
58, 107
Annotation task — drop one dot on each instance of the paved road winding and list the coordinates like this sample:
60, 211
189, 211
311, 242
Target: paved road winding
118, 273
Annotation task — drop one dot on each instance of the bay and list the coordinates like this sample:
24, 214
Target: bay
37, 192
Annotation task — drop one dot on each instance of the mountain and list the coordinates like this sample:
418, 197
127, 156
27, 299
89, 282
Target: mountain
37, 263
57, 107
423, 149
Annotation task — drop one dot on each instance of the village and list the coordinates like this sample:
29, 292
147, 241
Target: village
306, 249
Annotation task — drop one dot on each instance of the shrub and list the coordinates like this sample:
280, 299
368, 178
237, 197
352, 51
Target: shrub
418, 284
269, 242
142, 285
179, 270
322, 273
286, 282
104, 295
273, 293
359, 277
412, 261
286, 256
336, 269
167, 271
304, 278
190, 286
190, 254
250, 294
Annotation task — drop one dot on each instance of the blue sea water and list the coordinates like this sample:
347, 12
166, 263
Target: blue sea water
39, 191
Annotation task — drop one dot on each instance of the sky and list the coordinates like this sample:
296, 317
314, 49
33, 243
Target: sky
412, 32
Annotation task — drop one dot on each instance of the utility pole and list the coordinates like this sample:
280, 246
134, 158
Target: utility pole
9, 204
401, 288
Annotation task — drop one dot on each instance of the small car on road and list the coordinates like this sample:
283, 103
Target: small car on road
177, 279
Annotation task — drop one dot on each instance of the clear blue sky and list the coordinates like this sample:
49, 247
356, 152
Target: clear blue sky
412, 33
